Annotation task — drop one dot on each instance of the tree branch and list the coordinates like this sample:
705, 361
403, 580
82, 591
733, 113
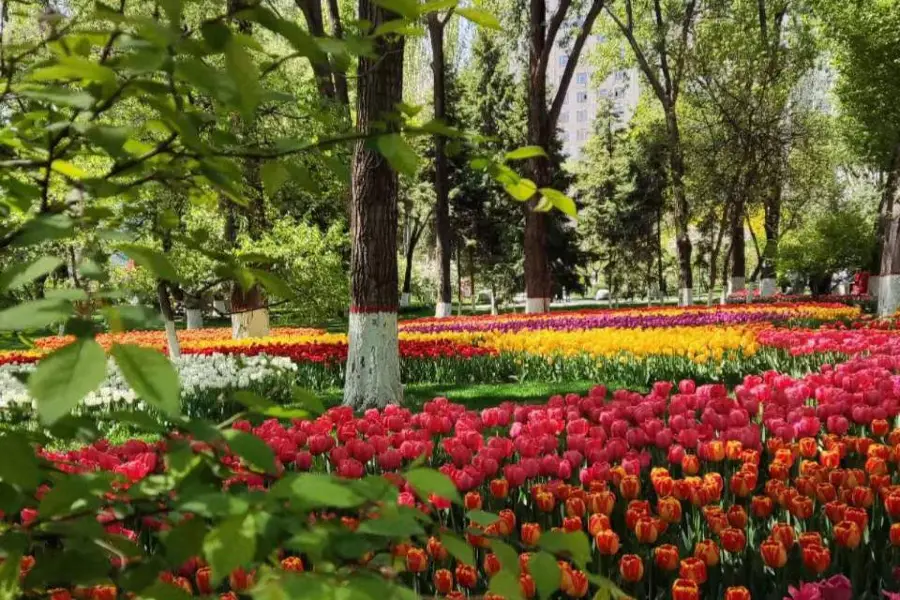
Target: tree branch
646, 69
556, 106
552, 30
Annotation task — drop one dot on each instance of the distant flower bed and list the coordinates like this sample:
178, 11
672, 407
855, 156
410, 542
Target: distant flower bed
756, 297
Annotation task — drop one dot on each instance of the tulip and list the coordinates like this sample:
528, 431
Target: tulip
575, 585
646, 530
601, 502
472, 501
737, 593
499, 488
631, 568
203, 579
545, 501
734, 540
293, 564
507, 521
443, 581
666, 557
847, 534
802, 507
685, 589
761, 507
598, 522
527, 585
737, 517
895, 534
690, 464
784, 533
575, 506
816, 558
607, 542
862, 496
630, 487
466, 576
436, 550
241, 580
59, 594
491, 564
857, 515
416, 560
810, 538
835, 511
669, 509
694, 569
572, 524
530, 533
773, 553
708, 552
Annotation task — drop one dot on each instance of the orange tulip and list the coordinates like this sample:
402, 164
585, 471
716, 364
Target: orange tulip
575, 506
666, 557
835, 511
416, 560
737, 593
499, 488
241, 580
733, 449
607, 542
572, 524
646, 530
895, 534
203, 579
708, 552
630, 487
690, 464
685, 589
761, 507
631, 568
784, 533
597, 522
577, 584
734, 540
443, 581
545, 501
472, 501
802, 507
491, 564
530, 533
294, 564
810, 538
466, 575
601, 502
816, 558
737, 517
879, 427
669, 509
847, 534
694, 569
862, 496
436, 549
773, 553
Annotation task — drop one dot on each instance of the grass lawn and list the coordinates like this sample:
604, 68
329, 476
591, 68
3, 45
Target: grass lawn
478, 396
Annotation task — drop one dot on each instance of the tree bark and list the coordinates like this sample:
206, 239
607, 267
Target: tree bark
165, 308
373, 361
410, 252
312, 11
738, 254
441, 175
682, 211
771, 225
340, 77
889, 277
659, 255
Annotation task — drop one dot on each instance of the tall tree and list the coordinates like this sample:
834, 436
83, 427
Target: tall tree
542, 121
373, 361
437, 22
659, 37
867, 44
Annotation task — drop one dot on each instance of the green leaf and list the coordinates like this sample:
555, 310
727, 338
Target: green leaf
509, 558
436, 5
274, 174
458, 548
525, 152
543, 205
17, 275
317, 490
66, 376
575, 544
160, 590
545, 571
392, 526
479, 16
404, 8
60, 96
253, 401
151, 259
109, 138
429, 481
230, 545
482, 518
560, 201
399, 27
398, 153
506, 585
151, 375
74, 493
44, 228
251, 449
23, 471
34, 314
521, 190
77, 68
274, 284
245, 76
184, 541
308, 400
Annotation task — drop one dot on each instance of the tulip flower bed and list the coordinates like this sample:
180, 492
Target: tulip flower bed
756, 297
784, 488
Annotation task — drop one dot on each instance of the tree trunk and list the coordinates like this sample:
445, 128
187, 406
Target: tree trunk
682, 213
771, 225
373, 360
165, 308
659, 255
738, 255
472, 278
249, 314
312, 11
889, 277
444, 305
411, 243
340, 77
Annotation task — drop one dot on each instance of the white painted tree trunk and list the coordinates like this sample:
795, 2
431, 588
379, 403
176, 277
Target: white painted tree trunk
872, 287
404, 299
685, 297
444, 309
373, 361
219, 306
537, 305
172, 340
194, 318
494, 310
723, 298
736, 284
767, 287
888, 295
250, 324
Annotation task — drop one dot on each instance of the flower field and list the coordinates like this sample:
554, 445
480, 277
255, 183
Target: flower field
778, 487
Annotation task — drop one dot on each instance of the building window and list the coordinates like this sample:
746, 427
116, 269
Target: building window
619, 93
564, 117
563, 59
581, 78
582, 135
581, 97
621, 75
581, 116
